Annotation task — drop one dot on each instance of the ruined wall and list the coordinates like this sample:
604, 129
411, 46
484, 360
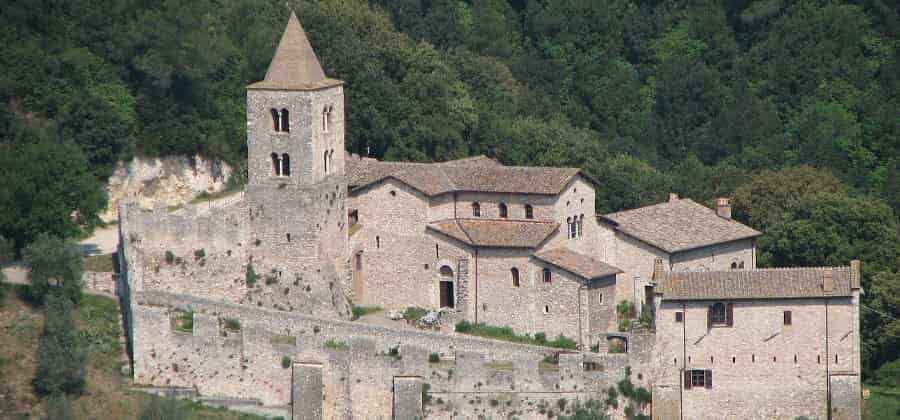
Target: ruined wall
359, 367
784, 365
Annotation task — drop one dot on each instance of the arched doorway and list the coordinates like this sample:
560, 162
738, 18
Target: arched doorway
358, 279
448, 300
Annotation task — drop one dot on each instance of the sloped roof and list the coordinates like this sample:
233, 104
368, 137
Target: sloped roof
679, 225
294, 66
772, 283
577, 263
496, 232
477, 174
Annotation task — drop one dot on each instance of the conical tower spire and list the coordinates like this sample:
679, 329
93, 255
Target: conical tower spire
294, 65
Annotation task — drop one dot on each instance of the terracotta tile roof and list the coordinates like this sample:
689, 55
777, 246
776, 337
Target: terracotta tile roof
294, 66
478, 174
496, 232
679, 225
772, 283
580, 264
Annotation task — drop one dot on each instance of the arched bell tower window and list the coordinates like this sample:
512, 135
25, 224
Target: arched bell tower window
285, 121
276, 164
276, 120
285, 165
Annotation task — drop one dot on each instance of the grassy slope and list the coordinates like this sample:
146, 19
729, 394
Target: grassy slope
883, 404
106, 396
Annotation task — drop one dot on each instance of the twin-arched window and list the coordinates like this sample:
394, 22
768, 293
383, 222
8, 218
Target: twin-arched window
281, 121
281, 165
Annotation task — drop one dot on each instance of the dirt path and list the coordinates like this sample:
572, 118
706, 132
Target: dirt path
103, 241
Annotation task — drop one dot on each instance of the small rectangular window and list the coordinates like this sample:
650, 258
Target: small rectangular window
698, 378
547, 276
679, 316
787, 317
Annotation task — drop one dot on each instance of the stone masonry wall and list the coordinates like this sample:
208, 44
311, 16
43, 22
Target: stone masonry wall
784, 365
247, 363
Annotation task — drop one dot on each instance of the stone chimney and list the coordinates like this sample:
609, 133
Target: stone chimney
673, 197
828, 281
723, 207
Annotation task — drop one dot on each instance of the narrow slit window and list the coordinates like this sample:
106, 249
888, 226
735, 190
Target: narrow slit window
276, 119
285, 165
514, 272
285, 121
276, 164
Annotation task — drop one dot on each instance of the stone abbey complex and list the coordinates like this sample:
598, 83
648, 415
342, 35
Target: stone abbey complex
249, 298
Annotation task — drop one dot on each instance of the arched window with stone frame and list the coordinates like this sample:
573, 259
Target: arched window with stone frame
476, 209
504, 211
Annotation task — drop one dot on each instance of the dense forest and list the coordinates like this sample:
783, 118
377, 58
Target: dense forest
789, 107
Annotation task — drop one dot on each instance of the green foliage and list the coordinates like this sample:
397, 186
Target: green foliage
231, 324
359, 311
199, 254
163, 408
286, 362
250, 278
434, 358
626, 312
105, 263
45, 184
62, 360
56, 268
183, 320
333, 344
101, 331
889, 374
506, 333
170, 257
591, 410
413, 314
58, 407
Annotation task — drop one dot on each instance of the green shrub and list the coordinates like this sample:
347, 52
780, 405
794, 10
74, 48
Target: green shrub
506, 333
434, 358
889, 374
286, 362
413, 313
336, 345
183, 320
56, 267
251, 277
232, 324
540, 337
646, 319
199, 254
62, 361
591, 410
170, 257
360, 311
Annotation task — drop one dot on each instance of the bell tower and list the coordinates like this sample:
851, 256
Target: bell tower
295, 117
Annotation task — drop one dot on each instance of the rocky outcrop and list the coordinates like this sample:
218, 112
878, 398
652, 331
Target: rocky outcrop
172, 180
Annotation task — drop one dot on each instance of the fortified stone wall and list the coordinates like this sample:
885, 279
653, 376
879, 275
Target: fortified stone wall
359, 361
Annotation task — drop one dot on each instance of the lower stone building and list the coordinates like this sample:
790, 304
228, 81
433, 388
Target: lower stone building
758, 344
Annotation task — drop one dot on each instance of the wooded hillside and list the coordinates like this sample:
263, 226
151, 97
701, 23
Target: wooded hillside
790, 107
